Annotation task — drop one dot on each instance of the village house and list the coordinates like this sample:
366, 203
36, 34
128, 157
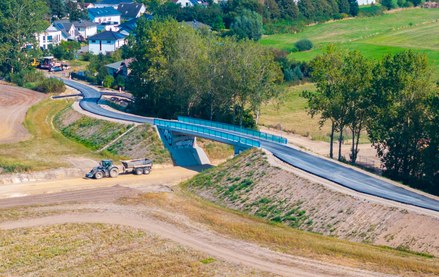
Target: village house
105, 42
131, 11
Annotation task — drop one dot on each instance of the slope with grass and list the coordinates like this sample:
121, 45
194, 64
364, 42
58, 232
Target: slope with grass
249, 183
374, 36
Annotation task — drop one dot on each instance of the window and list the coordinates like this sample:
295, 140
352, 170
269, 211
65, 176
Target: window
93, 41
44, 38
108, 41
49, 38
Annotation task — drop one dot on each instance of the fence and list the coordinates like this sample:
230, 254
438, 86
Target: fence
233, 128
202, 130
365, 163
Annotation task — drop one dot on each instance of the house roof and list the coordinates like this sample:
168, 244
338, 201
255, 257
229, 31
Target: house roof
127, 62
100, 12
130, 25
107, 35
194, 2
130, 10
64, 26
196, 24
84, 23
115, 65
112, 2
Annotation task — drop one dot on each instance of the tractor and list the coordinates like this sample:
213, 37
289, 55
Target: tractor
105, 169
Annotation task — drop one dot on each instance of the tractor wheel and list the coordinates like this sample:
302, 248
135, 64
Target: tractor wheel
114, 172
139, 171
146, 171
99, 175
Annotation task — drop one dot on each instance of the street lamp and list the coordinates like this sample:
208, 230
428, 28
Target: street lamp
281, 129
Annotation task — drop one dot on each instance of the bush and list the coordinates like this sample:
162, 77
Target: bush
120, 81
108, 80
51, 85
304, 45
289, 75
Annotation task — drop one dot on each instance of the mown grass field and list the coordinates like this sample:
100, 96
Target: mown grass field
374, 36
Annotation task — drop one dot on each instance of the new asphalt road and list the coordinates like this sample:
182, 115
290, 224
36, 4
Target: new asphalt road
318, 166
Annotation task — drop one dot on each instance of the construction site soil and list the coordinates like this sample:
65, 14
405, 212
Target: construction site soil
14, 103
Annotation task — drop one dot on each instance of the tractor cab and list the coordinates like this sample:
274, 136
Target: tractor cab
106, 163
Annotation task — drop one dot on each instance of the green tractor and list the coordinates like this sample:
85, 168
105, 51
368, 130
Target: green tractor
105, 169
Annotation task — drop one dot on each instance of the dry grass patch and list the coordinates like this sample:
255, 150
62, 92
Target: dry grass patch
216, 150
103, 250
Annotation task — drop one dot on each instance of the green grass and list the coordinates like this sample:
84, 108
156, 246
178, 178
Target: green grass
361, 33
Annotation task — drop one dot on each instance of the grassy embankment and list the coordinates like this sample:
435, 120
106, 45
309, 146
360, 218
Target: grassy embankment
47, 148
373, 36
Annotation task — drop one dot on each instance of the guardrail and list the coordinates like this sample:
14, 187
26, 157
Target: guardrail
202, 130
233, 128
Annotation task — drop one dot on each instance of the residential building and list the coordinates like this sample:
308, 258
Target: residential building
131, 11
85, 28
106, 41
104, 15
67, 29
86, 6
121, 68
50, 37
196, 25
110, 3
186, 3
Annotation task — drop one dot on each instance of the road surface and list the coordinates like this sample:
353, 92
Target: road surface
321, 167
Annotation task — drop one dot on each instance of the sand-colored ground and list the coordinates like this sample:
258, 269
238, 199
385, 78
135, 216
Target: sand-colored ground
14, 103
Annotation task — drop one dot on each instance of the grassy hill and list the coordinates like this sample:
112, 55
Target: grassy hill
391, 33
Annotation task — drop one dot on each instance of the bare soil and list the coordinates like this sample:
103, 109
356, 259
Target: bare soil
14, 103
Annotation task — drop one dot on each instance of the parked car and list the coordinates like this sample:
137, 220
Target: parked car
55, 69
65, 66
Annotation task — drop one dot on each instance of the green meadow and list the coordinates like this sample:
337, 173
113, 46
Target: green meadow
416, 29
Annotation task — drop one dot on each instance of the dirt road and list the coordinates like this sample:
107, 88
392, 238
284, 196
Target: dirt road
14, 103
158, 177
216, 246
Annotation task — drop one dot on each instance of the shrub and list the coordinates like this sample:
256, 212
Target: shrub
370, 11
120, 81
304, 45
298, 72
108, 80
289, 75
51, 85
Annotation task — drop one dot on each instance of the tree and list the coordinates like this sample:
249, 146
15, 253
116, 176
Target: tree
405, 98
272, 7
389, 4
289, 9
343, 6
57, 8
75, 13
249, 22
334, 7
306, 8
354, 9
108, 81
20, 20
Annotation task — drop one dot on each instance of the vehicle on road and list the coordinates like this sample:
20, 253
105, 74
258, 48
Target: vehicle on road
55, 69
139, 166
48, 62
107, 169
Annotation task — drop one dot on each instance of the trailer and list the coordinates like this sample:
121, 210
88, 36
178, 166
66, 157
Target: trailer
139, 166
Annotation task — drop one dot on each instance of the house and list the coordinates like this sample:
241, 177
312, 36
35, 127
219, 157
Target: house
128, 27
50, 37
121, 68
67, 29
104, 15
196, 25
186, 3
77, 30
106, 41
83, 6
85, 29
111, 3
131, 11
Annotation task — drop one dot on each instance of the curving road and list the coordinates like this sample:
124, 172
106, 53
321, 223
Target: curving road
326, 169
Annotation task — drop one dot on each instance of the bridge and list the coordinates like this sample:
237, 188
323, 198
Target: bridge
179, 137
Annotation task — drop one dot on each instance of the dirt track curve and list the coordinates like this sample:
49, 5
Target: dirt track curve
228, 253
14, 103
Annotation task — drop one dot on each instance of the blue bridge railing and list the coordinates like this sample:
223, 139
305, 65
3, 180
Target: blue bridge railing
202, 130
232, 128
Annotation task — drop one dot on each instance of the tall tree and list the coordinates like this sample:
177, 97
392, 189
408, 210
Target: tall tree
334, 7
57, 8
250, 23
289, 9
20, 20
354, 9
306, 8
389, 4
343, 6
405, 104
75, 12
273, 8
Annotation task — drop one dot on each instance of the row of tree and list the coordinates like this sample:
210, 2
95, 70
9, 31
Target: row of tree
230, 13
180, 71
394, 99
60, 9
